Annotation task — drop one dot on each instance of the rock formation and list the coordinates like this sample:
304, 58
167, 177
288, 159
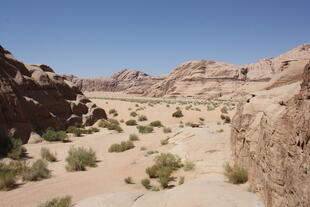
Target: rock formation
271, 133
203, 78
128, 81
34, 97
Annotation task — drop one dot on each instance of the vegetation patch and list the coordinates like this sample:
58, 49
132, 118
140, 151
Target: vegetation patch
128, 180
167, 130
38, 171
156, 124
58, 202
131, 122
133, 137
110, 124
79, 158
123, 146
145, 129
47, 155
142, 118
235, 174
133, 114
11, 147
177, 114
54, 136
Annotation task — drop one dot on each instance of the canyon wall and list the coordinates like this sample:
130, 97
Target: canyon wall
34, 98
270, 137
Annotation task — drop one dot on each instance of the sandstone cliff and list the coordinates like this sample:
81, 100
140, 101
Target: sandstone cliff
34, 97
271, 133
203, 78
128, 81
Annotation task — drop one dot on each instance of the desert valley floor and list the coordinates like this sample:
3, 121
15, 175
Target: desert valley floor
207, 146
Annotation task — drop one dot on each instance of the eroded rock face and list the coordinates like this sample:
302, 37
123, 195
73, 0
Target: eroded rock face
33, 98
199, 79
128, 81
270, 137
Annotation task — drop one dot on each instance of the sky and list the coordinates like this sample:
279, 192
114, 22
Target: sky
97, 38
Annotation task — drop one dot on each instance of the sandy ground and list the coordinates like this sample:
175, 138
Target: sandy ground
205, 146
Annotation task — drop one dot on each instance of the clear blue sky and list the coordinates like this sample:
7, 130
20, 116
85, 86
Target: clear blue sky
97, 38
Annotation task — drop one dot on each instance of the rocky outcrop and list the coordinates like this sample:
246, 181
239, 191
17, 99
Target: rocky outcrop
202, 79
34, 97
128, 81
271, 133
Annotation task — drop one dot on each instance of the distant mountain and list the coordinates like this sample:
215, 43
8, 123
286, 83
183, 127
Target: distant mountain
202, 78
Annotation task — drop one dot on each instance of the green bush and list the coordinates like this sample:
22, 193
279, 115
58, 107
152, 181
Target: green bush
47, 155
142, 148
189, 166
79, 158
146, 183
74, 130
181, 180
17, 151
123, 146
145, 129
164, 141
235, 174
168, 160
129, 180
7, 177
58, 202
224, 110
177, 114
156, 124
112, 111
152, 171
142, 118
37, 171
94, 129
110, 124
133, 114
131, 122
167, 130
11, 147
53, 136
133, 137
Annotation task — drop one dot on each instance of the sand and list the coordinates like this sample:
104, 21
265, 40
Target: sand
205, 146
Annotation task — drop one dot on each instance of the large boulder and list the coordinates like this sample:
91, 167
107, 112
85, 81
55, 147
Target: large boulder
34, 98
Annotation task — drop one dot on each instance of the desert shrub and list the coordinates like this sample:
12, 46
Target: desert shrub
11, 147
123, 146
188, 124
145, 129
164, 141
152, 171
17, 150
58, 202
129, 180
94, 129
7, 177
168, 160
152, 152
224, 110
155, 188
197, 109
112, 111
74, 130
110, 124
201, 119
177, 114
223, 116
146, 183
167, 105
37, 171
167, 130
79, 158
220, 130
188, 107
115, 114
47, 155
181, 180
181, 125
142, 148
133, 114
133, 137
235, 174
227, 120
189, 166
142, 118
131, 122
156, 124
53, 136
164, 181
